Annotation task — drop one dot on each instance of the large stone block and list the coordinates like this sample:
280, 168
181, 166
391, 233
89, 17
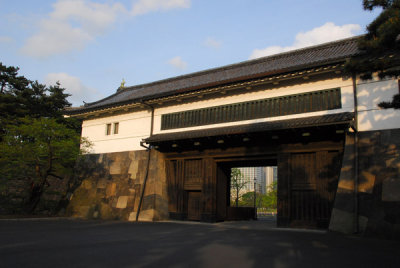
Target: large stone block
82, 212
150, 187
132, 216
391, 190
346, 183
106, 212
122, 201
100, 159
115, 168
87, 184
146, 215
366, 182
102, 183
111, 189
343, 222
131, 202
158, 188
114, 202
133, 169
132, 191
394, 162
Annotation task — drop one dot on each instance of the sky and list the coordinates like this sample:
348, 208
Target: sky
90, 46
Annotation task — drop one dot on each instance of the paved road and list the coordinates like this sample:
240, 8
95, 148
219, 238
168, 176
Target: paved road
75, 243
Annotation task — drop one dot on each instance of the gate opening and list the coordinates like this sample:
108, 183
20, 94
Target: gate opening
255, 187
249, 187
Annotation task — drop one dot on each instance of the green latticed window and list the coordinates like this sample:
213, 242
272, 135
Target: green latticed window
321, 100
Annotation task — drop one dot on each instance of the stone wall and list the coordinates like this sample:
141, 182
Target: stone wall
112, 184
15, 195
378, 188
343, 217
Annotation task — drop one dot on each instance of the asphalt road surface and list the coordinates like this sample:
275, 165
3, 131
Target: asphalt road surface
76, 243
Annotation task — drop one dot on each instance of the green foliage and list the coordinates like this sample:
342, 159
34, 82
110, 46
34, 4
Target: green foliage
381, 44
371, 4
20, 97
38, 148
36, 141
268, 200
237, 183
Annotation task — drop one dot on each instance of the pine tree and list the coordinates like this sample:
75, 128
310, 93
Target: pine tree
380, 47
36, 141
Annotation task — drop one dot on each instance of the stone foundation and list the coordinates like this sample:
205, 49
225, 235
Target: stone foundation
112, 188
378, 189
15, 195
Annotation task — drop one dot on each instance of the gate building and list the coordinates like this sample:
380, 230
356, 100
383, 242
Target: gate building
164, 150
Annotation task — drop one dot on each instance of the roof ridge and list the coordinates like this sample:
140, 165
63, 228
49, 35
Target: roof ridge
246, 62
313, 47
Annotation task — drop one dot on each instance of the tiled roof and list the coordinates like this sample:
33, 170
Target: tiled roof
339, 118
319, 55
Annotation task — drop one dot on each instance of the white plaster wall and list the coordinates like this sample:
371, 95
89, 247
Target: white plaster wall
369, 94
346, 91
133, 128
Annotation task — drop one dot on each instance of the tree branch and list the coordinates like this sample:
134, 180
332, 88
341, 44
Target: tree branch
56, 176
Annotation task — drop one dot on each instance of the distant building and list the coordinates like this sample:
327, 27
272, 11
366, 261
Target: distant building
264, 177
271, 176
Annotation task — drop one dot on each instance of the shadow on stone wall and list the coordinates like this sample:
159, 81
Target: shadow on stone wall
378, 189
15, 197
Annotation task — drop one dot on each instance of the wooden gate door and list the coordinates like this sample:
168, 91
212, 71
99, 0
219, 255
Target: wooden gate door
303, 198
307, 188
194, 199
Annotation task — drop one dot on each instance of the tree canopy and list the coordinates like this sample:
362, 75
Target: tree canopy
380, 46
36, 149
268, 200
36, 141
21, 97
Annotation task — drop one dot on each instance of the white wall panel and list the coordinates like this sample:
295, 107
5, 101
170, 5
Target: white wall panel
133, 128
369, 95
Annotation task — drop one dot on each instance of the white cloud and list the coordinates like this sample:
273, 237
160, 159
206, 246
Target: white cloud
54, 38
94, 18
70, 26
74, 86
145, 6
5, 40
178, 63
325, 33
212, 43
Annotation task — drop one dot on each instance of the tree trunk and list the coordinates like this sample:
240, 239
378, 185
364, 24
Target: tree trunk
237, 197
36, 194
